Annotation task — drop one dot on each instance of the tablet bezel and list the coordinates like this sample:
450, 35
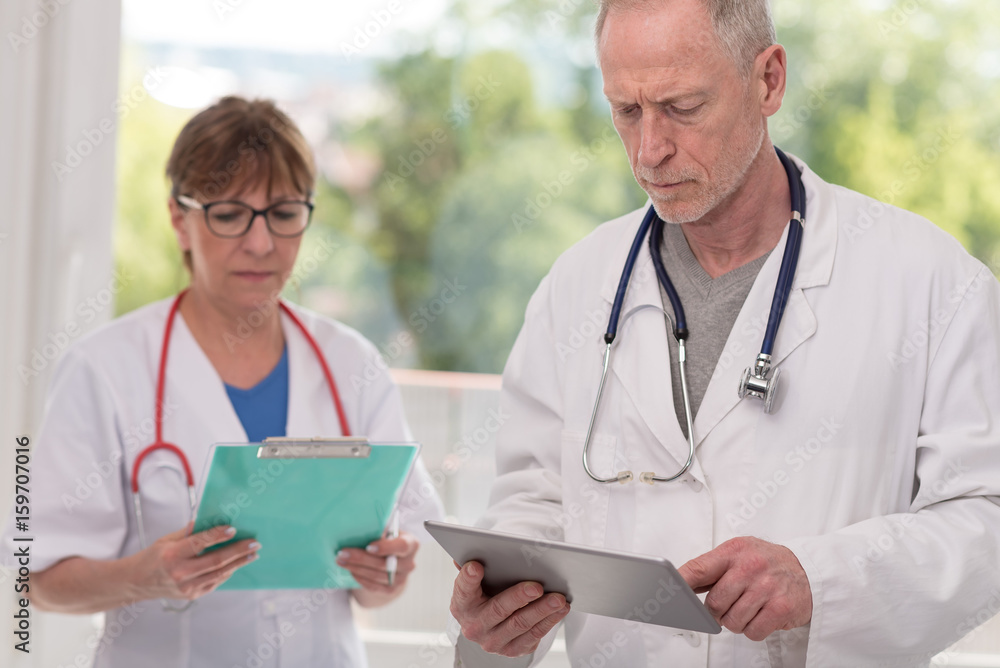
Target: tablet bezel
632, 587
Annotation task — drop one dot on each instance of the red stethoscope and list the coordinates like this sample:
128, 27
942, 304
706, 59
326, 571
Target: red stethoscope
160, 444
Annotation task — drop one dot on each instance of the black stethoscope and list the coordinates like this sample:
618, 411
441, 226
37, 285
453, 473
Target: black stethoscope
757, 380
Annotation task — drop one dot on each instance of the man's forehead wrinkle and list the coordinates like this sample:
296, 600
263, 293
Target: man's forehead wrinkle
665, 81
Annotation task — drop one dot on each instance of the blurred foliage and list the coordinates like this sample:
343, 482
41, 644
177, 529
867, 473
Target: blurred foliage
492, 161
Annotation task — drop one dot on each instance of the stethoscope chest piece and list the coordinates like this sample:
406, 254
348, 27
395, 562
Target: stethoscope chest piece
758, 381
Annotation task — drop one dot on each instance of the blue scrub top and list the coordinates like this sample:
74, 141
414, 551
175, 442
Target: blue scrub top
263, 408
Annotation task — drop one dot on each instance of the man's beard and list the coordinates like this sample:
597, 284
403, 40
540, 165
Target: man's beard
698, 197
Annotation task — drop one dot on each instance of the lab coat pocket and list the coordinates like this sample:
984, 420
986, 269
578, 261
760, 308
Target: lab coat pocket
585, 501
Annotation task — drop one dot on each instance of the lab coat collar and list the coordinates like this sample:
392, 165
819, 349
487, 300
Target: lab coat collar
645, 377
191, 376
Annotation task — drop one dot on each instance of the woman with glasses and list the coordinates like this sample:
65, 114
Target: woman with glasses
236, 364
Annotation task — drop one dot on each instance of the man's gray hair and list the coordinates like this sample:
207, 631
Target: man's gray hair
744, 28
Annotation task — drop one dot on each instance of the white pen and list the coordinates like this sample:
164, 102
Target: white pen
390, 561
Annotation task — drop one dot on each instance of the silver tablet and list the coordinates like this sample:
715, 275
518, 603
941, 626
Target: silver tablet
632, 587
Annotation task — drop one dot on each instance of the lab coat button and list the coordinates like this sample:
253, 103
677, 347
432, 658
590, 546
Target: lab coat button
269, 608
695, 485
693, 639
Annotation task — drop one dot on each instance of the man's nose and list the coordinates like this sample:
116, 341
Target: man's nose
656, 141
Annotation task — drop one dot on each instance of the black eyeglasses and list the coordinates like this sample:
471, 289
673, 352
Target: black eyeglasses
231, 219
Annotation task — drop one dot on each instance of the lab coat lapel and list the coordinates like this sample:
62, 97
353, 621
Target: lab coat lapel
206, 416
311, 410
816, 255
641, 357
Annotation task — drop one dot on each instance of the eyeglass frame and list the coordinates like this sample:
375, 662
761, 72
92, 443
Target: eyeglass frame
193, 204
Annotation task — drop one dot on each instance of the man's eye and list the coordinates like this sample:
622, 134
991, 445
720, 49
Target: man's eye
686, 111
627, 111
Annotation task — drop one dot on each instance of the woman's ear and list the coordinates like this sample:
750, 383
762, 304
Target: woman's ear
179, 224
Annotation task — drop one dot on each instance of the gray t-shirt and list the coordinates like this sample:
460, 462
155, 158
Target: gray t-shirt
711, 306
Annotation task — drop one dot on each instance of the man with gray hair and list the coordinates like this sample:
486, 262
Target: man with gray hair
853, 521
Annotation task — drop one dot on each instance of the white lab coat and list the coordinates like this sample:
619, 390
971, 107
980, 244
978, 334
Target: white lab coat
880, 470
99, 416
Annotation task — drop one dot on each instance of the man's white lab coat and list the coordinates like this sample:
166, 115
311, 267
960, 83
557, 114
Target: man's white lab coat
880, 469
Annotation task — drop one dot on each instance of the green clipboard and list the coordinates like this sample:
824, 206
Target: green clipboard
303, 500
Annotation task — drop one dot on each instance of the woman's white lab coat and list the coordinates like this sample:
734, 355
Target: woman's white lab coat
880, 470
99, 416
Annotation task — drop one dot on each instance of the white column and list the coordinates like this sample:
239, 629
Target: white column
58, 88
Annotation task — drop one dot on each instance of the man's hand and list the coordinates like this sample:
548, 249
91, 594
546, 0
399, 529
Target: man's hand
754, 587
513, 622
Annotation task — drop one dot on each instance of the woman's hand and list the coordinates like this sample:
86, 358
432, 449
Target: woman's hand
368, 567
174, 566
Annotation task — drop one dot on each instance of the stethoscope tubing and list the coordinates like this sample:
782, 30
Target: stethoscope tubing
653, 225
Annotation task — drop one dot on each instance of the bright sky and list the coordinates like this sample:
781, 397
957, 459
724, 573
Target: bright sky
301, 26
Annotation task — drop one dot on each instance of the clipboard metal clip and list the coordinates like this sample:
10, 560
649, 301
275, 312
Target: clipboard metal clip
314, 448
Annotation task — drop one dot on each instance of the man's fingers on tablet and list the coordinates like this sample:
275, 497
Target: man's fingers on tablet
468, 584
467, 592
503, 605
528, 641
524, 620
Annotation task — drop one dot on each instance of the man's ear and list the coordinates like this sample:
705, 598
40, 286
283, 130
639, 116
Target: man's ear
179, 225
769, 78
